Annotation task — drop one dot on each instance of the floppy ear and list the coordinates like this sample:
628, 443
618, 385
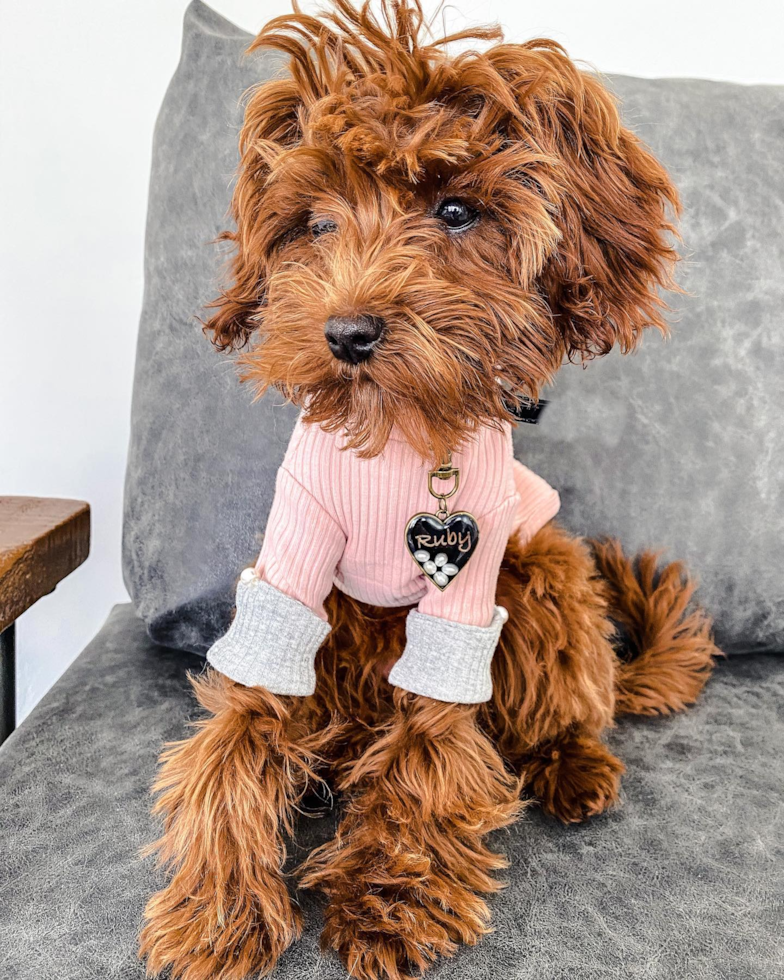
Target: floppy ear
613, 208
271, 125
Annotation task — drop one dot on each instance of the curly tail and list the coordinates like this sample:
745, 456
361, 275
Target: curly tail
670, 643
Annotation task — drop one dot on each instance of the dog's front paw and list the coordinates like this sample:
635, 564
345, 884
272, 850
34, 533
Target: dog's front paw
396, 907
396, 934
196, 936
575, 778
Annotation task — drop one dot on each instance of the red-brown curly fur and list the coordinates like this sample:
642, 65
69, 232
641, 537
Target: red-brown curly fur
374, 126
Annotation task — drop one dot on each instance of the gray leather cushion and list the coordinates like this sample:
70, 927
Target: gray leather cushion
682, 882
678, 447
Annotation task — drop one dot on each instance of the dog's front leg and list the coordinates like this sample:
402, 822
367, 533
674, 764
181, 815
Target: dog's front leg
406, 869
226, 795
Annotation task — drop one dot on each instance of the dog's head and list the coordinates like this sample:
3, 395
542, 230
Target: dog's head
419, 235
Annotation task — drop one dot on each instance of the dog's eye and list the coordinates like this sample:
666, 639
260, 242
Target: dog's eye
456, 214
323, 227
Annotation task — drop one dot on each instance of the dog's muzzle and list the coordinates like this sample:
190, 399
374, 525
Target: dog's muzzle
353, 338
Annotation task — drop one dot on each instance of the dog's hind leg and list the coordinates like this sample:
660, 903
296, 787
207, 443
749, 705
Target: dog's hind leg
554, 675
406, 870
226, 795
557, 680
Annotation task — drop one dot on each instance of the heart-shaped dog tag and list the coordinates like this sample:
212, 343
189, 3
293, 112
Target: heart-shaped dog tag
442, 547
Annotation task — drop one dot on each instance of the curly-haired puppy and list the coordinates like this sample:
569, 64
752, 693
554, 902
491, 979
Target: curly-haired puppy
421, 240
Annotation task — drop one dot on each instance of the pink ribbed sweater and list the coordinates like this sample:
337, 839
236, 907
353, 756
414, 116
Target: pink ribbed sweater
338, 519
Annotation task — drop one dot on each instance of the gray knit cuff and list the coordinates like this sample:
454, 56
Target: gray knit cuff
448, 661
272, 642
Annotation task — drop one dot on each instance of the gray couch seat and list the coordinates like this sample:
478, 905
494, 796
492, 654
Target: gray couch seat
681, 882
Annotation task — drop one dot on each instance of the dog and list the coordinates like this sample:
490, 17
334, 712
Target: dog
422, 239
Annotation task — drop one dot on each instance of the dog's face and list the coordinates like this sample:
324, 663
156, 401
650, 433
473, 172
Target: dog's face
419, 236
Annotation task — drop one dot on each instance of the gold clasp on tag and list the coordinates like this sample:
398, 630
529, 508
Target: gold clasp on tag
444, 472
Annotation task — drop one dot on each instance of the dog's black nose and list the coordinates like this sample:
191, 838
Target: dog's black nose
352, 338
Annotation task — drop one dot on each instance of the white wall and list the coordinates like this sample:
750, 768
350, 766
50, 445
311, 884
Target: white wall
80, 85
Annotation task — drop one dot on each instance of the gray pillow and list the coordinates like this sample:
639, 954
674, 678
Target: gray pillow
678, 447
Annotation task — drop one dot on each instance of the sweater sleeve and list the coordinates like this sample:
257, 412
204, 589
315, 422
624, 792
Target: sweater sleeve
451, 637
538, 502
302, 545
280, 621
